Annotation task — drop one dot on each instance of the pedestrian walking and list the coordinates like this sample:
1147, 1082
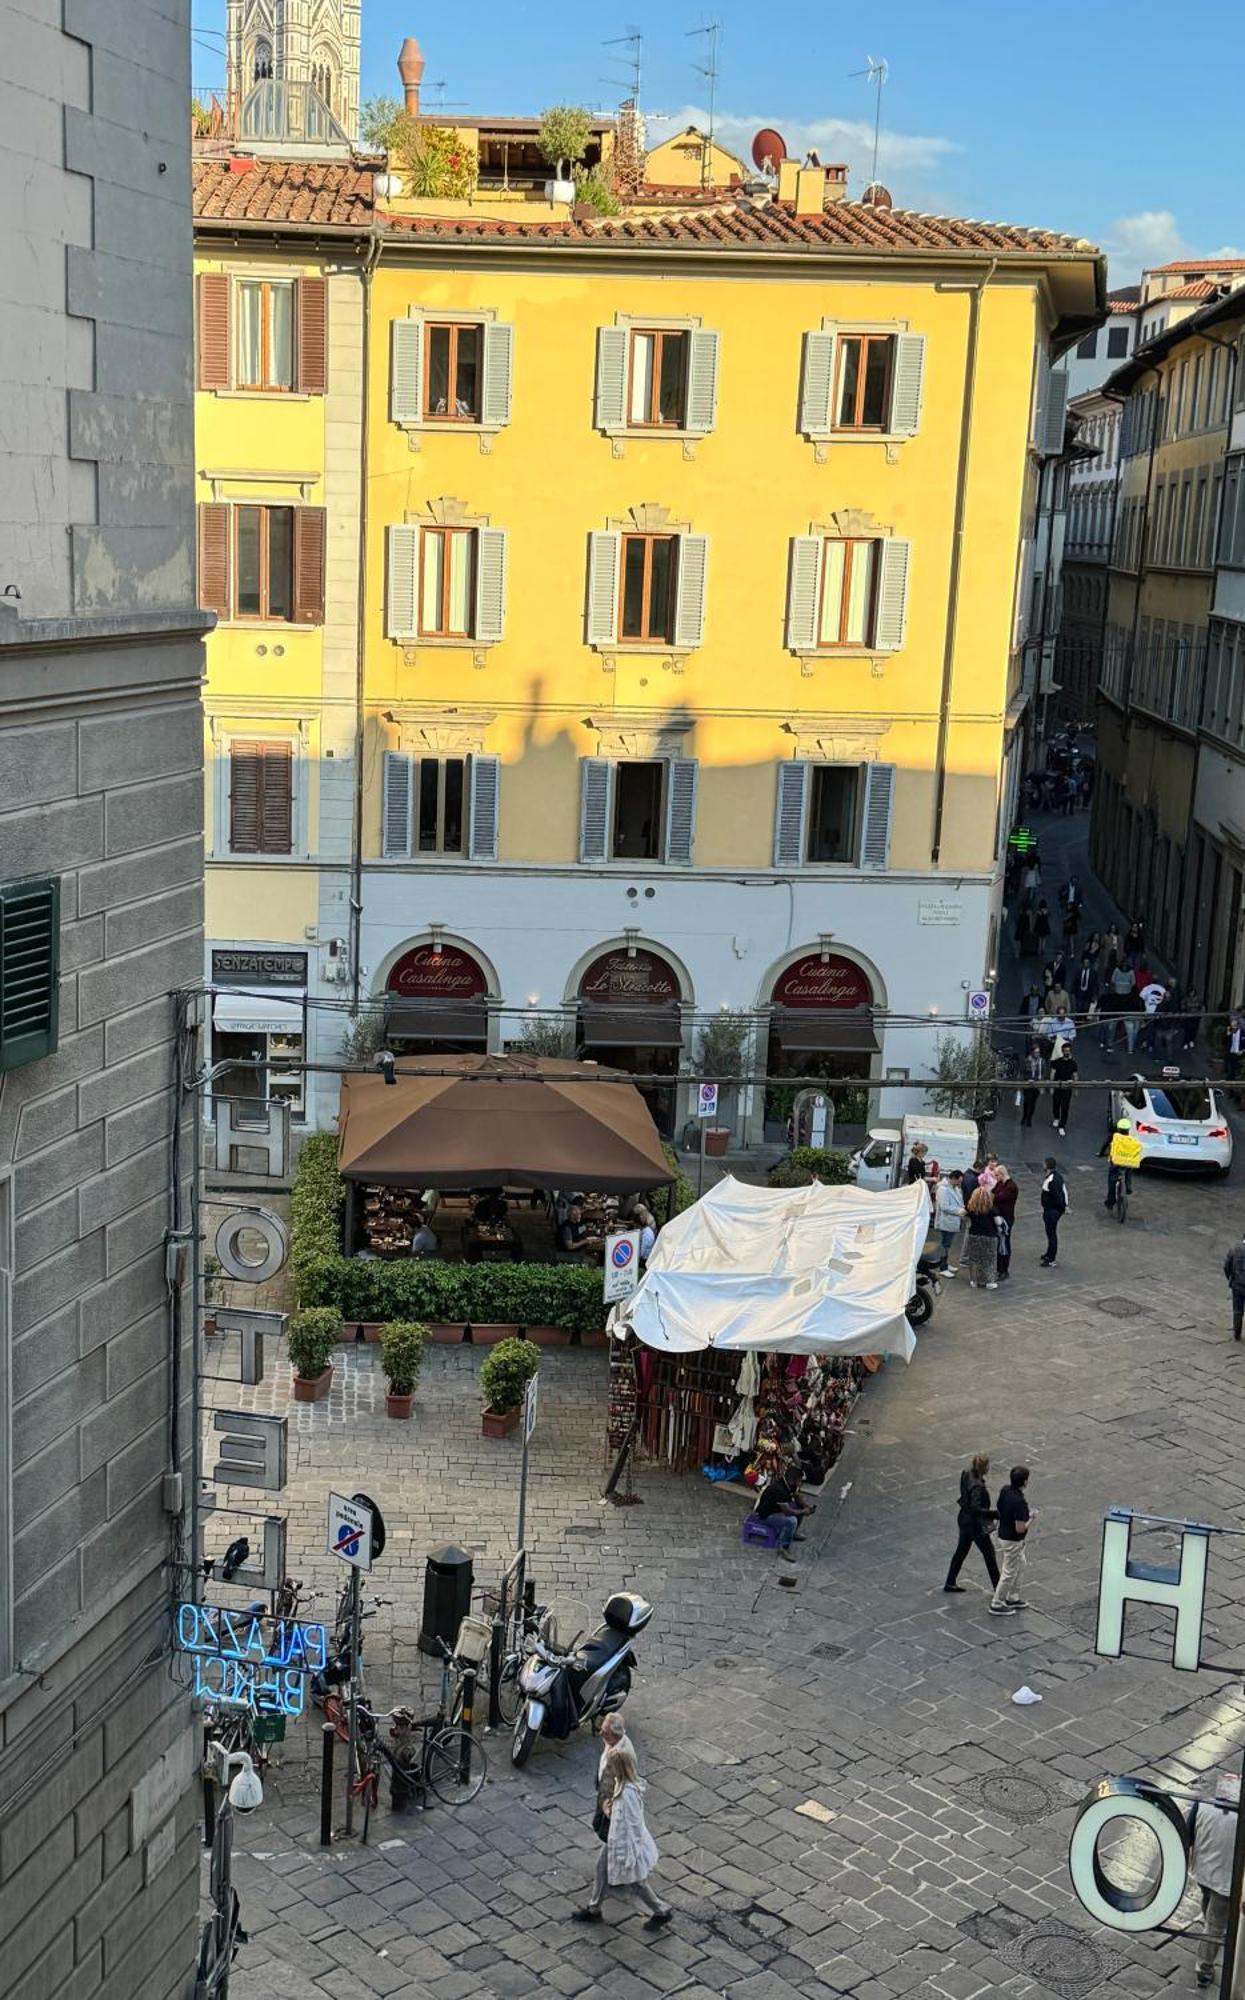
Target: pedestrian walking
1234, 1272
974, 1520
1086, 983
1041, 925
629, 1853
1030, 881
1212, 1832
915, 1169
1054, 1208
1063, 1074
1071, 925
1152, 995
1015, 1520
1031, 1088
1135, 939
949, 1218
1024, 932
982, 1249
1110, 949
1093, 949
1059, 970
1234, 1048
1006, 1195
1192, 1018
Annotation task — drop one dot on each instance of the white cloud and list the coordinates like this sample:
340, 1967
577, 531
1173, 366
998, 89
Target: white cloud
1153, 236
904, 158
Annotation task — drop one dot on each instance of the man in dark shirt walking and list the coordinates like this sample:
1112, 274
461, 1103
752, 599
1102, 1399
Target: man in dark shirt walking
1014, 1523
1054, 1208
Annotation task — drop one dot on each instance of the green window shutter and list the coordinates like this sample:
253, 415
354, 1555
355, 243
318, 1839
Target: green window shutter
30, 941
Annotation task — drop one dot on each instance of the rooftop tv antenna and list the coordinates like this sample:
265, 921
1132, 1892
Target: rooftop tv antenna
710, 70
444, 103
631, 62
877, 72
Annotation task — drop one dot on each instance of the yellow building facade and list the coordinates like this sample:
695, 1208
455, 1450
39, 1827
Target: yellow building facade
690, 616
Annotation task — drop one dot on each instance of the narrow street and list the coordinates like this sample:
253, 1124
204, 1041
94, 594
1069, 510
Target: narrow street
935, 1864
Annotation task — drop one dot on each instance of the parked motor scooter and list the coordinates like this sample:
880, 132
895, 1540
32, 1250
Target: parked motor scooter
560, 1690
920, 1306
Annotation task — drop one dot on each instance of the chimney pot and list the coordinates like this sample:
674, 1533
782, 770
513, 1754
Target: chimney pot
810, 190
411, 71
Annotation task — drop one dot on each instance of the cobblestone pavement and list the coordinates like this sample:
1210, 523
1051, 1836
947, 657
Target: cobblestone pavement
935, 1863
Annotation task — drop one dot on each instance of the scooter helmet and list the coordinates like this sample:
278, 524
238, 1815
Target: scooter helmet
1122, 1125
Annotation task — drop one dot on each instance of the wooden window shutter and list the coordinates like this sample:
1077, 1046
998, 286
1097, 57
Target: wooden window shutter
213, 330
702, 381
214, 557
907, 383
816, 384
261, 798
403, 585
603, 557
875, 820
312, 319
890, 622
309, 530
596, 791
485, 786
395, 840
681, 777
611, 391
802, 593
689, 608
30, 940
495, 395
490, 611
789, 814
406, 371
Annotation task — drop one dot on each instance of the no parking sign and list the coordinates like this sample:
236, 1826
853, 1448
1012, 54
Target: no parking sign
622, 1265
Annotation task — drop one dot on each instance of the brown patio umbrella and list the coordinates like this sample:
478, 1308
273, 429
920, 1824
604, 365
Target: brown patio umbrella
499, 1121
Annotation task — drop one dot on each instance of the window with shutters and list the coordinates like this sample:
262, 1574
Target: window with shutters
452, 371
865, 368
29, 970
263, 563
447, 583
649, 575
657, 386
264, 316
436, 804
849, 572
261, 797
638, 808
833, 815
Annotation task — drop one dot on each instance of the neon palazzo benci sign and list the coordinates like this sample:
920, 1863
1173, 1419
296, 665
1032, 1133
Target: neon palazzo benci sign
238, 1665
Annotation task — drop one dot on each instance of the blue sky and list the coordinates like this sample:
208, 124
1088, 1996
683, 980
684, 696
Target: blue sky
1109, 121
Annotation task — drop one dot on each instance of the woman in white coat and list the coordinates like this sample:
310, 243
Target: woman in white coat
628, 1853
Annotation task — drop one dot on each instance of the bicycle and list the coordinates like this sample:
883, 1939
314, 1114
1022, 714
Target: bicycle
446, 1762
1124, 1188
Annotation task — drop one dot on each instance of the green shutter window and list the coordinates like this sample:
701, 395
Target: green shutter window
30, 950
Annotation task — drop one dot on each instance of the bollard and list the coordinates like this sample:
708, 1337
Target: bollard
209, 1808
327, 1736
468, 1712
496, 1656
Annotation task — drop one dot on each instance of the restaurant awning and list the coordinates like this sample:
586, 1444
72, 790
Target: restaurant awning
499, 1121
258, 1014
827, 1029
436, 1020
629, 1027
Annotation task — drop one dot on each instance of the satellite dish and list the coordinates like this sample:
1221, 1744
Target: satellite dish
769, 149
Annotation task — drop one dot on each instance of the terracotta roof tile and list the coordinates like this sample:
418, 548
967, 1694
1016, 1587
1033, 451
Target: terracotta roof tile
1123, 305
774, 225
299, 191
1202, 264
1201, 288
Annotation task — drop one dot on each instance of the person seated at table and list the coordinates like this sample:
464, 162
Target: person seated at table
491, 1206
643, 1219
423, 1242
573, 1237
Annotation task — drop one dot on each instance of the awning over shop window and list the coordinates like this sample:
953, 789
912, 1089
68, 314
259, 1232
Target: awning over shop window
435, 1020
629, 1027
831, 1032
258, 1014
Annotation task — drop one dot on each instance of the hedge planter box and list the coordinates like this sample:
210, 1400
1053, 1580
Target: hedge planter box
547, 1336
313, 1388
499, 1423
397, 1405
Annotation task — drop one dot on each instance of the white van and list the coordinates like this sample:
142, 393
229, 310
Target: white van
952, 1142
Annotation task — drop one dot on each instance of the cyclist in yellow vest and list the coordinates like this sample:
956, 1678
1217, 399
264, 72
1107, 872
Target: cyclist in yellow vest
1125, 1155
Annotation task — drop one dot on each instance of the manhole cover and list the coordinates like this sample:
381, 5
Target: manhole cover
1063, 1959
1118, 1308
1012, 1795
827, 1651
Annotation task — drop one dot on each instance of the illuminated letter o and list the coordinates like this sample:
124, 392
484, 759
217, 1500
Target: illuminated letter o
262, 1222
1125, 1909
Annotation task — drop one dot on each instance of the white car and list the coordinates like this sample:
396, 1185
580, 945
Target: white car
1178, 1124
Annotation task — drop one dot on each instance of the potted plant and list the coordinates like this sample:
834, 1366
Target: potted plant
401, 1353
312, 1337
563, 139
505, 1374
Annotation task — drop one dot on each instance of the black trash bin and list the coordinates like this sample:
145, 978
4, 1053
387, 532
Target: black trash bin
447, 1596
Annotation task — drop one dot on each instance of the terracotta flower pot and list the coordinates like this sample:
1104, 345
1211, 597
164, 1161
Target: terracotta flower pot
717, 1139
398, 1405
487, 1333
445, 1333
499, 1423
313, 1388
548, 1336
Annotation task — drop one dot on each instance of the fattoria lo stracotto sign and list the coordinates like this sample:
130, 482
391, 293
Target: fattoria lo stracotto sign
1126, 1578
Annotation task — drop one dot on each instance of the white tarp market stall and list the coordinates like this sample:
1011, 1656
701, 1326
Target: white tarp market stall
811, 1270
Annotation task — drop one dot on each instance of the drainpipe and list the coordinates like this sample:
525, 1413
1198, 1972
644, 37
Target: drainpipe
957, 554
1148, 368
356, 836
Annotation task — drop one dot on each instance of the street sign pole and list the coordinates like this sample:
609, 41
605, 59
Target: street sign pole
356, 1621
529, 1425
706, 1108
